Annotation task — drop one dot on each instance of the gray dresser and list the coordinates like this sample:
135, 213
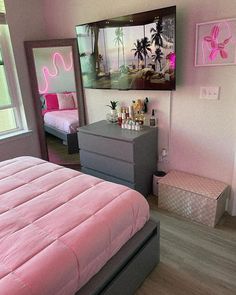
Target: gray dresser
123, 156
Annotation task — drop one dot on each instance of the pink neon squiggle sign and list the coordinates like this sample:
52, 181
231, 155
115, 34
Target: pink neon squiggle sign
212, 44
47, 74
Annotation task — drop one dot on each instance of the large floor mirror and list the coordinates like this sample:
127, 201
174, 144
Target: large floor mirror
57, 90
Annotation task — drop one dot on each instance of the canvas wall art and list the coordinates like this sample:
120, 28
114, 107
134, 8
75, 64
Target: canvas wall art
216, 43
130, 52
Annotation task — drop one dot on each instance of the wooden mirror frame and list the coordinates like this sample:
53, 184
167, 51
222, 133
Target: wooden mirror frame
29, 46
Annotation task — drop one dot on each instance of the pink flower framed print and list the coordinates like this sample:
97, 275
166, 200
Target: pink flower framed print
216, 43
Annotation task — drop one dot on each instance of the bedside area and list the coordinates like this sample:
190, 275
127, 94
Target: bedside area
122, 156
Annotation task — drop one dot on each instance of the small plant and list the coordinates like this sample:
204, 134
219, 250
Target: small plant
113, 104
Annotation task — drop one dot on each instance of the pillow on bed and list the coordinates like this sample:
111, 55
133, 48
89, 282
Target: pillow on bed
65, 101
75, 99
51, 101
43, 102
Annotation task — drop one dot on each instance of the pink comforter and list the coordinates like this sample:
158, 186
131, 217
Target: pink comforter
64, 120
58, 227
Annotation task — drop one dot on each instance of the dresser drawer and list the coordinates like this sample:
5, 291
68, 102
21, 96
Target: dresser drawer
112, 148
110, 166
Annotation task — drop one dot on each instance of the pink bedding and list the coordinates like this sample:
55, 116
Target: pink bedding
58, 227
64, 120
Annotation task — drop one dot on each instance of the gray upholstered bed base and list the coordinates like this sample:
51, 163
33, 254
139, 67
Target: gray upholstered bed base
70, 139
125, 272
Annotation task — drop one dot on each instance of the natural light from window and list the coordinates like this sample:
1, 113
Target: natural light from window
12, 118
2, 6
7, 116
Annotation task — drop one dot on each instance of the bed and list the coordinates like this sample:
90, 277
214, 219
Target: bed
65, 232
61, 118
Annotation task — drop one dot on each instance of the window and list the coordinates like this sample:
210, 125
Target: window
2, 7
7, 112
11, 110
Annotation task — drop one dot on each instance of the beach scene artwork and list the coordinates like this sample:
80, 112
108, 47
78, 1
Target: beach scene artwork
132, 52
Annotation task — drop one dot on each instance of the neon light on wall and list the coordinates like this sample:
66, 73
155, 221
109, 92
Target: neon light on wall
47, 74
212, 44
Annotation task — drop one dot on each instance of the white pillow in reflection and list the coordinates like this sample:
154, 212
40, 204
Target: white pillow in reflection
65, 101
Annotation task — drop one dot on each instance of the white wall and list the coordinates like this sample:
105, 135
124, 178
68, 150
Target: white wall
97, 101
65, 79
232, 203
26, 22
202, 136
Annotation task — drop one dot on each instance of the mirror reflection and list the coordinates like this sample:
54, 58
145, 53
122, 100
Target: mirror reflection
55, 74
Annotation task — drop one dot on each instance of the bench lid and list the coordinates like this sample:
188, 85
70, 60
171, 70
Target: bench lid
194, 183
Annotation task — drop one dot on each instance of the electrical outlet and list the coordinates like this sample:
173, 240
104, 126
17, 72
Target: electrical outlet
163, 155
211, 92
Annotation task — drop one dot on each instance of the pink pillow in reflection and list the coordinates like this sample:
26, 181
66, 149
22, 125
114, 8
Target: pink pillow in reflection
51, 101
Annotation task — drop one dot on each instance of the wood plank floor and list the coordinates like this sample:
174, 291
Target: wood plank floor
195, 259
58, 153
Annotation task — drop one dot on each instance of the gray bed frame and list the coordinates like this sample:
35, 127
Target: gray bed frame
125, 271
70, 139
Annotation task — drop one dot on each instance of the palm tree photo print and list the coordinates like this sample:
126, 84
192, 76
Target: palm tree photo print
131, 52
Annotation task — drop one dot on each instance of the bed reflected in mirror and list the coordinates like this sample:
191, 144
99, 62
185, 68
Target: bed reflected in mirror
58, 97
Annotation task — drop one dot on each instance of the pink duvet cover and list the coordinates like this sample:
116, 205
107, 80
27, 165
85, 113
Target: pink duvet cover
58, 227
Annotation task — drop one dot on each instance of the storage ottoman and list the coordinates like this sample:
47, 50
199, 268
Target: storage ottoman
198, 198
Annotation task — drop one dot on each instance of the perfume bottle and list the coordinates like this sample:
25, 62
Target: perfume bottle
153, 119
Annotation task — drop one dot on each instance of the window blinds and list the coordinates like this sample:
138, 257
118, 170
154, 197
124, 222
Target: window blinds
2, 12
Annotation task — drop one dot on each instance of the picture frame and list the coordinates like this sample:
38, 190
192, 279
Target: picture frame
215, 43
130, 52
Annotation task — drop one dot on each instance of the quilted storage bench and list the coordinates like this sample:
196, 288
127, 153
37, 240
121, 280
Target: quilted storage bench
197, 198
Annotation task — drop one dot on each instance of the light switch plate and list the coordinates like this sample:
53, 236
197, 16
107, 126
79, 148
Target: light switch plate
210, 92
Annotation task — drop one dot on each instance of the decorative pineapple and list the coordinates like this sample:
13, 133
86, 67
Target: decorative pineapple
113, 104
113, 117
